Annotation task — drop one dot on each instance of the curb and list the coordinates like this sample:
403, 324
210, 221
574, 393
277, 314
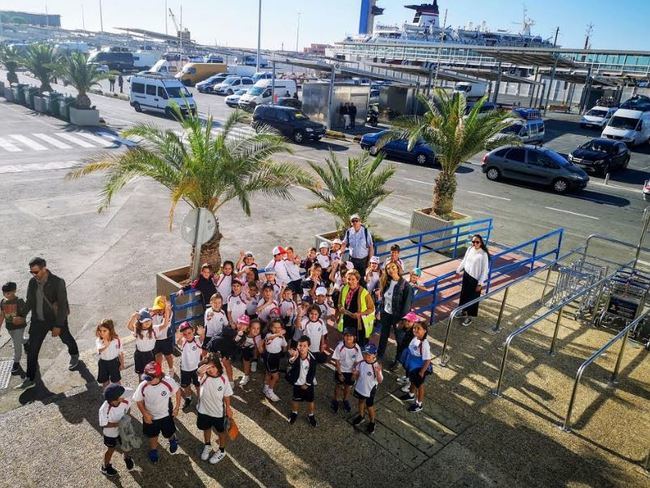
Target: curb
334, 134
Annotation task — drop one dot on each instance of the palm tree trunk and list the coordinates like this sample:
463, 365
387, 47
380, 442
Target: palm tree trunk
210, 250
443, 194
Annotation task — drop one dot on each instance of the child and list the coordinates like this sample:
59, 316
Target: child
373, 276
213, 407
403, 337
161, 314
346, 355
313, 327
154, 399
335, 252
223, 281
141, 325
368, 376
394, 257
215, 321
236, 303
288, 312
117, 402
308, 262
252, 296
12, 310
327, 312
274, 345
266, 304
301, 375
270, 276
323, 258
417, 366
111, 357
246, 260
312, 282
190, 358
292, 264
250, 341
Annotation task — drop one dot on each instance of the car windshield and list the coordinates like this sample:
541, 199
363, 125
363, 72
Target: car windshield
256, 90
513, 129
230, 80
557, 158
623, 123
177, 92
597, 113
300, 116
598, 146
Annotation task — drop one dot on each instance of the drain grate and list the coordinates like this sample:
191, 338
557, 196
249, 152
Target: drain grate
5, 372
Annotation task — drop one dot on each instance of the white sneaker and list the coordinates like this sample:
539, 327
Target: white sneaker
267, 392
407, 387
217, 456
205, 454
402, 380
315, 382
272, 396
244, 380
467, 321
253, 366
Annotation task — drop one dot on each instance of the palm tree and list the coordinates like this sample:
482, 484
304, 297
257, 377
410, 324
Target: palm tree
82, 76
202, 169
455, 137
10, 58
359, 188
43, 62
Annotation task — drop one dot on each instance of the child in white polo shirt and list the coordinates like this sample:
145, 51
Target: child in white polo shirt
214, 321
190, 358
236, 303
274, 346
313, 327
141, 325
213, 407
154, 399
368, 376
346, 355
109, 349
117, 402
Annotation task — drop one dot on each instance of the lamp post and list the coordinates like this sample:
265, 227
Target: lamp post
259, 35
101, 18
298, 31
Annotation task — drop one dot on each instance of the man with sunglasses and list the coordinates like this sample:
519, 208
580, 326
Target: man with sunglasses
359, 241
47, 299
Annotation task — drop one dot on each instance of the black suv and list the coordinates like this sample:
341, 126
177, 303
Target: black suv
289, 122
601, 156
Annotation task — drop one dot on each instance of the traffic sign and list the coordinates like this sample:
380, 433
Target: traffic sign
198, 226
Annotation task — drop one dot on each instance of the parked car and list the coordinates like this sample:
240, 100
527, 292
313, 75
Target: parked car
233, 100
533, 164
289, 102
421, 153
290, 122
630, 126
232, 83
601, 156
158, 93
597, 117
206, 86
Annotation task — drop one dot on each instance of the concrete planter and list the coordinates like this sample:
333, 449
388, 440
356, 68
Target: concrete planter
85, 117
9, 94
326, 237
2, 88
169, 281
422, 220
40, 104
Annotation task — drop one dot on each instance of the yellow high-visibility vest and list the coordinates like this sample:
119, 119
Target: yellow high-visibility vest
368, 320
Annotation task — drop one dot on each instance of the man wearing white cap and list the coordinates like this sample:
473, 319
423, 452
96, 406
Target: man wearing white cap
277, 264
358, 240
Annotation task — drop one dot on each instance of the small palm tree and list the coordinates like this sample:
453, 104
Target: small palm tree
455, 137
202, 169
43, 62
359, 188
10, 58
81, 75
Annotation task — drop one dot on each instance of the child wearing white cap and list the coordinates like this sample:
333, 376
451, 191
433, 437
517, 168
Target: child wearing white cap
327, 311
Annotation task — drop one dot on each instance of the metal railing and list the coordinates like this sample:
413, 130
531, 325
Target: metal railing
189, 311
623, 334
444, 356
557, 308
600, 237
445, 239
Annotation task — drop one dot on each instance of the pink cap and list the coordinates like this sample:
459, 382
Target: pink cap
244, 319
411, 317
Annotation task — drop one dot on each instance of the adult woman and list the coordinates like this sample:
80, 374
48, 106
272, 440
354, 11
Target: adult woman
356, 309
475, 266
397, 296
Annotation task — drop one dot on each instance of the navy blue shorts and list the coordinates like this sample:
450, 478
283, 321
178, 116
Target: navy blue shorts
109, 371
164, 346
165, 425
189, 378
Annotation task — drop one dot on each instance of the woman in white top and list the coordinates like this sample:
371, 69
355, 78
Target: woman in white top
475, 266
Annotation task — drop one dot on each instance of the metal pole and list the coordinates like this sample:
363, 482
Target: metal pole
259, 36
646, 220
166, 16
550, 84
298, 31
567, 420
196, 262
501, 309
557, 328
330, 97
599, 296
101, 17
621, 351
444, 358
548, 276
506, 349
273, 82
497, 85
83, 20
533, 87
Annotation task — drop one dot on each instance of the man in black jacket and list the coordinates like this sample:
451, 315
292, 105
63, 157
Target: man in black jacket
47, 300
301, 375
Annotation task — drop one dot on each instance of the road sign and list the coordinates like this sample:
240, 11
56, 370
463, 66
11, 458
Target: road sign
198, 226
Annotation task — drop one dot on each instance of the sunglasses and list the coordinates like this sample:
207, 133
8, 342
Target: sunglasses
476, 242
34, 272
354, 220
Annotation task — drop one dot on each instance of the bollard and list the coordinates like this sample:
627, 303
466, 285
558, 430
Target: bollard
607, 178
496, 328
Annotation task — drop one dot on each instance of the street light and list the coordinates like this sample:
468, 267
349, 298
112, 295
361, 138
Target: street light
259, 34
298, 31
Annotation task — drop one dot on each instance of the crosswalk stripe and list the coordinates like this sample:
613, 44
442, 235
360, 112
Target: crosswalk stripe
99, 140
8, 146
51, 140
23, 168
28, 142
74, 140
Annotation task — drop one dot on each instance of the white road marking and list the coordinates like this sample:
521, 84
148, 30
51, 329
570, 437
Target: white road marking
428, 183
24, 168
633, 190
8, 146
51, 140
645, 263
390, 216
75, 140
572, 213
99, 140
392, 211
489, 196
28, 142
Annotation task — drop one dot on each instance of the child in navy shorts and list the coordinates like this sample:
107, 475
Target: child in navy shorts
368, 376
190, 358
117, 402
346, 355
301, 375
274, 346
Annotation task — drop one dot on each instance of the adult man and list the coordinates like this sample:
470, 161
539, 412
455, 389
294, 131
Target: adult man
352, 110
120, 81
47, 299
359, 241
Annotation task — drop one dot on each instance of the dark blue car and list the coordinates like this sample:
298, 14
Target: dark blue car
421, 153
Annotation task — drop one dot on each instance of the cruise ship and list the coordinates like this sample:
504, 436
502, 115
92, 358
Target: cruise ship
426, 28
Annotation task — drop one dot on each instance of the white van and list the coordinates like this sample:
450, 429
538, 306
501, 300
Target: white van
630, 126
158, 93
471, 90
260, 93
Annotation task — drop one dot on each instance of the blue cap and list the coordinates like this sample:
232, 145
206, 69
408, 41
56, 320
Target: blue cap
370, 349
144, 315
113, 392
417, 272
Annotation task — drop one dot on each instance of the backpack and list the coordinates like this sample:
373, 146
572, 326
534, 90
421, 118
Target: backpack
365, 230
411, 362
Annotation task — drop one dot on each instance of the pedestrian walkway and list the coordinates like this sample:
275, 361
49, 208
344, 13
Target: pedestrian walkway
56, 141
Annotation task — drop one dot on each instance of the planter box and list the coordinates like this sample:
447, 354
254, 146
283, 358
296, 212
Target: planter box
9, 94
2, 88
170, 281
326, 237
40, 104
422, 221
86, 117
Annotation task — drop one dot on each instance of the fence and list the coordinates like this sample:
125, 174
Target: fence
187, 307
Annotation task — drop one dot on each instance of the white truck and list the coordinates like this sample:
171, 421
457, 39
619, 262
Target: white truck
472, 90
262, 93
240, 70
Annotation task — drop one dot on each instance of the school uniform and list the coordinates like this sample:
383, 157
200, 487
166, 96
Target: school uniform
347, 357
325, 310
315, 331
190, 359
109, 361
210, 410
224, 287
277, 290
158, 402
366, 386
302, 373
420, 349
237, 306
273, 352
109, 414
144, 347
281, 271
264, 313
326, 264
288, 312
164, 340
251, 305
373, 281
214, 322
248, 346
295, 278
308, 285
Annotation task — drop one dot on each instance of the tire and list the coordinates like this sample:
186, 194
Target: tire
373, 150
493, 174
298, 137
421, 159
625, 163
560, 186
137, 107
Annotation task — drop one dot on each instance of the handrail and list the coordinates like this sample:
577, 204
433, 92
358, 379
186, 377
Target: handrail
194, 300
556, 308
444, 357
601, 237
624, 333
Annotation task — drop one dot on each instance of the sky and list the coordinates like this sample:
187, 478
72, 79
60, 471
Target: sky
234, 23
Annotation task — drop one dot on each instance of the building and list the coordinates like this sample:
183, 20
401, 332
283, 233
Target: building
317, 49
43, 20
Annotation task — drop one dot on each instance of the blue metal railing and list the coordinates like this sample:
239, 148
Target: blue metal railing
449, 280
189, 311
439, 240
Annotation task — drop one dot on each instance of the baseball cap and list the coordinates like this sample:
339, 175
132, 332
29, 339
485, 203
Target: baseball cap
269, 271
321, 290
248, 254
244, 319
337, 241
279, 250
185, 326
370, 349
153, 370
374, 259
355, 216
417, 272
113, 392
159, 303
144, 315
349, 331
324, 245
411, 317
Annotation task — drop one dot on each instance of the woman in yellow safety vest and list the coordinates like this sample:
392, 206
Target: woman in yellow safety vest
356, 308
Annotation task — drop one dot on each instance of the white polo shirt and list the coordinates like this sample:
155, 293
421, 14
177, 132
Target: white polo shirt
304, 369
158, 320
264, 313
224, 286
420, 348
275, 345
367, 379
324, 261
190, 355
214, 322
237, 306
288, 309
146, 342
212, 392
110, 414
112, 351
281, 271
293, 270
348, 357
157, 397
315, 331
